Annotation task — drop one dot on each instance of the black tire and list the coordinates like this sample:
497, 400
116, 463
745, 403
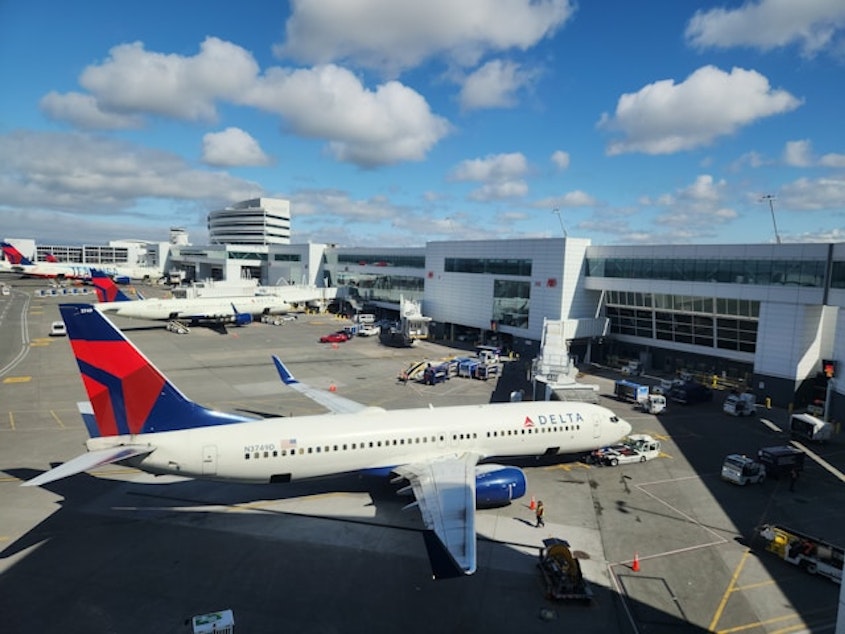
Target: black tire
614, 462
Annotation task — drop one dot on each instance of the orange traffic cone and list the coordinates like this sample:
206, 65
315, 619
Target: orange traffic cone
533, 504
636, 565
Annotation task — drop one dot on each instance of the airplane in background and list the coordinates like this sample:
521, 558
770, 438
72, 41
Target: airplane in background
16, 262
237, 310
143, 420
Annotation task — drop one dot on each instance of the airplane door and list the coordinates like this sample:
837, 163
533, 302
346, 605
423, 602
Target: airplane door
596, 425
209, 460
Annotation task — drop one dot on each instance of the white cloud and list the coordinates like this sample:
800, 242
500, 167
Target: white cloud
769, 24
90, 175
500, 190
393, 35
560, 159
798, 153
232, 147
494, 167
83, 111
501, 174
665, 117
391, 124
695, 207
133, 79
832, 160
808, 194
575, 198
494, 85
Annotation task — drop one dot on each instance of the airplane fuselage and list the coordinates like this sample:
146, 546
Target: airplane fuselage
285, 449
73, 271
207, 308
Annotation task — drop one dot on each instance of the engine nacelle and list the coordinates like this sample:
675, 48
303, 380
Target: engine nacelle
243, 319
497, 485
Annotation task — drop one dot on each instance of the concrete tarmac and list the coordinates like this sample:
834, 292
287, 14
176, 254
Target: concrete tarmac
121, 551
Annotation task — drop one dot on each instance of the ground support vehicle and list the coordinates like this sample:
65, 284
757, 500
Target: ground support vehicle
653, 404
562, 572
809, 427
811, 554
434, 374
736, 404
690, 393
742, 470
178, 327
626, 390
781, 459
635, 448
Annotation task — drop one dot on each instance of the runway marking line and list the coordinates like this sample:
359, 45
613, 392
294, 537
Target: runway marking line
17, 379
57, 419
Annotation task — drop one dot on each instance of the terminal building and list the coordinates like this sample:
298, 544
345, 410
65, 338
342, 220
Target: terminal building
769, 318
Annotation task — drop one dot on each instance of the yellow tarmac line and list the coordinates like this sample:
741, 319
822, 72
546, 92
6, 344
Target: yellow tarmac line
728, 592
17, 379
57, 419
12, 420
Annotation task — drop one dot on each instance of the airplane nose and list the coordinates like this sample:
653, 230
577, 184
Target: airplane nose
627, 427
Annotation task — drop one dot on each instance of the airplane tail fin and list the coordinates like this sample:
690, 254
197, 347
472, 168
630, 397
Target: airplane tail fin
13, 255
106, 289
129, 395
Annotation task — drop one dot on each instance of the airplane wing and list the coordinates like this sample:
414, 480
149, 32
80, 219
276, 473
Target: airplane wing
445, 494
88, 461
333, 402
444, 489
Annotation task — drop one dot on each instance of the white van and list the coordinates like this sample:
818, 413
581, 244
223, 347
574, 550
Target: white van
742, 470
364, 318
58, 329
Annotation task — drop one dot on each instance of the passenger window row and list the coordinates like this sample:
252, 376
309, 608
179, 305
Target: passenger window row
373, 444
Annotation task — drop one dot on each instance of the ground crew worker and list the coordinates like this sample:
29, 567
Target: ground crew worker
540, 510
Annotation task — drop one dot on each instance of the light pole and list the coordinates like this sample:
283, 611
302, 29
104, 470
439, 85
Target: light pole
771, 199
562, 228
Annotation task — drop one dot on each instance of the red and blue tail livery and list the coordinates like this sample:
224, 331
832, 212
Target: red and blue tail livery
14, 256
128, 393
106, 289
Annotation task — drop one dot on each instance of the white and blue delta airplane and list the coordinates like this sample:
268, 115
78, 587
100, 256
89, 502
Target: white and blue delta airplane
141, 419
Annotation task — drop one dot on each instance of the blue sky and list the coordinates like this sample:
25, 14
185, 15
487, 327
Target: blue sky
395, 122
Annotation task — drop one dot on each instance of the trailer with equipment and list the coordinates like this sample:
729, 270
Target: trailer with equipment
811, 554
562, 572
809, 427
736, 404
781, 459
626, 390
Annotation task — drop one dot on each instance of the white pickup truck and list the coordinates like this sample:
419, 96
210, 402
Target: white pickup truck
635, 448
368, 330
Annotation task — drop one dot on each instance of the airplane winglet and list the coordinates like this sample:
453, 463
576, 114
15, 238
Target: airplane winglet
284, 373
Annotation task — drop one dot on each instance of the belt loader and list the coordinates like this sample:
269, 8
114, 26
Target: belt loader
811, 554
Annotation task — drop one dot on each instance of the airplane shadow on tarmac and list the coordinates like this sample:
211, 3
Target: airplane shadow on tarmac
127, 557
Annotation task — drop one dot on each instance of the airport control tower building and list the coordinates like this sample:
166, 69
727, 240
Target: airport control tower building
260, 221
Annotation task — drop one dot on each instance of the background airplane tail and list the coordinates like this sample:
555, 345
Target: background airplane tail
106, 289
129, 395
13, 255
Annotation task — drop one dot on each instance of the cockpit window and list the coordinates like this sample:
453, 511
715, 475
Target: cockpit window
614, 419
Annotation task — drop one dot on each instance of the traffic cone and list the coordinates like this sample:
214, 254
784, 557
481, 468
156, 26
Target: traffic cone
533, 504
636, 565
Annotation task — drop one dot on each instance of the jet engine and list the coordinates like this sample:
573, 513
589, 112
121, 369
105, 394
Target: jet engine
497, 485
